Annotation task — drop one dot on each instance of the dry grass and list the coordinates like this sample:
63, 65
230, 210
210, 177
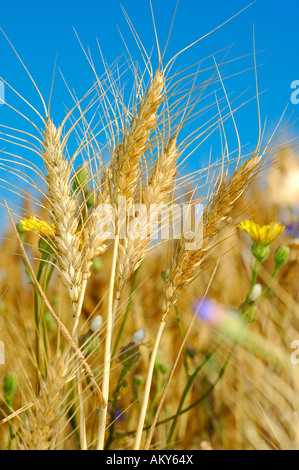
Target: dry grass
254, 405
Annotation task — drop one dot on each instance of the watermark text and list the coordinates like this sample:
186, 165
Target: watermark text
295, 354
295, 94
152, 222
2, 93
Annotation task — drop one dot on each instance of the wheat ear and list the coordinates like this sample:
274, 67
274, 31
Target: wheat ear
134, 143
63, 211
131, 150
185, 266
74, 261
39, 428
156, 192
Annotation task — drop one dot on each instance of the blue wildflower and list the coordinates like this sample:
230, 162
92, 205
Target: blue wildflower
207, 309
293, 229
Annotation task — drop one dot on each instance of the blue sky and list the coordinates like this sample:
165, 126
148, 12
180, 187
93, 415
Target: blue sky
40, 30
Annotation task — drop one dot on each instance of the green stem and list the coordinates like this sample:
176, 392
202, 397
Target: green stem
185, 354
187, 388
155, 397
46, 280
11, 433
37, 323
253, 280
267, 286
38, 313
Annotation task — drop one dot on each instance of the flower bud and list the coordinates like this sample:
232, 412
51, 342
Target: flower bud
256, 292
250, 314
10, 385
89, 343
129, 355
20, 228
260, 251
138, 379
96, 324
282, 255
164, 368
138, 337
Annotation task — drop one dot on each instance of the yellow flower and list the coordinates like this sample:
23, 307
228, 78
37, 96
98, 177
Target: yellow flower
262, 233
38, 226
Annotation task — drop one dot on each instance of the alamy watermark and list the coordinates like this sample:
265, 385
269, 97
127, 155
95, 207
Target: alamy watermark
154, 222
2, 353
2, 93
295, 354
295, 94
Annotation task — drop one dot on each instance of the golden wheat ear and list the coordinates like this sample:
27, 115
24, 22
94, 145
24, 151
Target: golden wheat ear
186, 265
134, 144
63, 211
39, 430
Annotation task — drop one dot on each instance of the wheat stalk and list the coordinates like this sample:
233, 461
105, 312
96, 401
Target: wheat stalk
108, 354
